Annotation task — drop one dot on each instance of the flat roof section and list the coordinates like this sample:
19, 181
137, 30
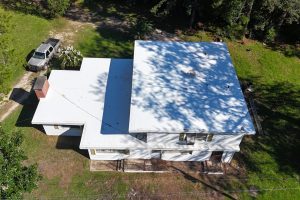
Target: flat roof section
186, 87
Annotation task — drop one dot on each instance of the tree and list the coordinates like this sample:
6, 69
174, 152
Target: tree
260, 18
6, 52
15, 178
57, 7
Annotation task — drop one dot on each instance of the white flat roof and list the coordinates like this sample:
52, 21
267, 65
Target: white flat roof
170, 87
78, 98
186, 87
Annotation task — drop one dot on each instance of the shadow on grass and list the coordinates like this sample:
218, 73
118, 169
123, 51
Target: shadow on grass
107, 42
276, 151
278, 107
286, 49
68, 142
26, 115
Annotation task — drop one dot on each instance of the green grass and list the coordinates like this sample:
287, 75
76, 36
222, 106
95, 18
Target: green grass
104, 43
271, 160
27, 33
277, 87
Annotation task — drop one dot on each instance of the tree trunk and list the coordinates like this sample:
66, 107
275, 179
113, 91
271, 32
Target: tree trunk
192, 19
248, 11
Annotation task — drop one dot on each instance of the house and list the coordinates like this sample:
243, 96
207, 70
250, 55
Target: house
177, 101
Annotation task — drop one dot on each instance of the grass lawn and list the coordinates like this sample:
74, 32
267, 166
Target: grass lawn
27, 33
65, 169
104, 43
271, 159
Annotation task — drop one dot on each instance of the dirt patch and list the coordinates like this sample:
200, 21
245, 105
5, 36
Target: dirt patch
17, 95
68, 33
63, 163
160, 35
64, 168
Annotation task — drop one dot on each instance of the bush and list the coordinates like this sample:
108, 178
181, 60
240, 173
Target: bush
57, 7
29, 7
271, 35
141, 27
70, 58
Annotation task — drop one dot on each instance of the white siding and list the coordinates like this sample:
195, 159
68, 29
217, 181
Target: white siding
178, 156
105, 156
139, 154
225, 142
162, 139
62, 130
171, 141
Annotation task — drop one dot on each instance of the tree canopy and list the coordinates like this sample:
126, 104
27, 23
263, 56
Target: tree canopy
237, 18
15, 178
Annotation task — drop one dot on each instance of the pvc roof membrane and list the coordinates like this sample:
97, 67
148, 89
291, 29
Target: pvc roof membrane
169, 87
97, 96
186, 87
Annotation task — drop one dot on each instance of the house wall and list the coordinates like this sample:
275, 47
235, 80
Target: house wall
168, 147
139, 154
62, 130
185, 156
225, 142
133, 154
218, 142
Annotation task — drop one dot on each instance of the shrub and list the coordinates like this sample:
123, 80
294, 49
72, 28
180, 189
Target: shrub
70, 58
57, 7
31, 7
141, 27
271, 35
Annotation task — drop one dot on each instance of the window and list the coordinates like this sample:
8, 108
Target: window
186, 152
47, 54
93, 152
187, 139
182, 137
70, 126
156, 151
209, 137
39, 55
122, 151
50, 49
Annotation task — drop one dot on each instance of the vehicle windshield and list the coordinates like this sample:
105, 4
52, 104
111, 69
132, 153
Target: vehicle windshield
39, 55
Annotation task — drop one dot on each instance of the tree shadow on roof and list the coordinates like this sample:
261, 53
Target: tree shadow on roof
189, 83
116, 111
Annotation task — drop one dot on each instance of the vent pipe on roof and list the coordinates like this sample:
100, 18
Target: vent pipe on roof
41, 87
